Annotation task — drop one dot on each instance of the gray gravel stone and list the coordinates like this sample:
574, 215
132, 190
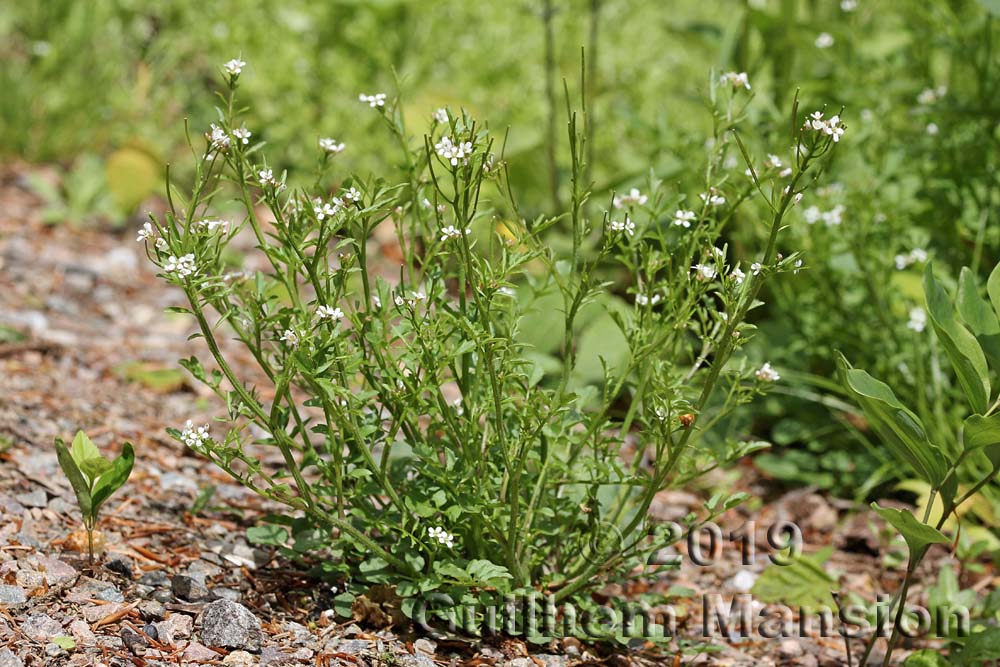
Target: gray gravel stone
9, 659
227, 624
41, 627
189, 588
36, 498
12, 595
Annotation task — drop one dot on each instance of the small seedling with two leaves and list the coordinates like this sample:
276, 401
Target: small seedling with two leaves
94, 478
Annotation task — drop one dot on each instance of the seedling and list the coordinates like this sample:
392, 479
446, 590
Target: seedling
94, 478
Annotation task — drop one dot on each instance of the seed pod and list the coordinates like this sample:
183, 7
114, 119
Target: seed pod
686, 419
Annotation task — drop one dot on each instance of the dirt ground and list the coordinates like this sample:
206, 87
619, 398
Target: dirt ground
85, 344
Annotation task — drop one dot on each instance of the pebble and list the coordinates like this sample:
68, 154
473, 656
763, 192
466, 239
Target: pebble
425, 646
120, 565
96, 612
12, 595
9, 659
36, 498
420, 660
41, 627
186, 587
553, 660
57, 572
790, 648
273, 656
135, 642
81, 633
227, 624
53, 650
196, 653
240, 659
151, 610
156, 579
88, 589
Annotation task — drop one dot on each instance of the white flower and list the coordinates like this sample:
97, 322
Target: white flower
418, 296
266, 177
712, 198
918, 319
797, 198
452, 152
684, 218
932, 129
210, 225
834, 216
161, 244
927, 97
234, 67
619, 226
442, 536
398, 300
217, 135
452, 232
290, 338
755, 268
326, 210
243, 134
785, 173
328, 313
848, 5
183, 266
441, 115
772, 161
737, 276
376, 301
633, 198
797, 265
646, 300
195, 436
824, 40
736, 80
767, 374
832, 128
330, 145
352, 195
703, 272
147, 232
812, 215
917, 255
376, 100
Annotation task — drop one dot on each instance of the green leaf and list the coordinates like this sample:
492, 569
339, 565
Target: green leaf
80, 485
960, 345
65, 643
993, 286
114, 478
919, 536
84, 449
899, 429
974, 310
268, 534
343, 604
979, 431
979, 648
486, 573
926, 658
803, 582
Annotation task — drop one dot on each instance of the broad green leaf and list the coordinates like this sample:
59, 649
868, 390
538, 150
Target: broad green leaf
979, 431
803, 582
268, 534
80, 486
974, 310
486, 573
94, 467
960, 345
899, 429
64, 642
114, 478
979, 648
84, 448
918, 536
993, 289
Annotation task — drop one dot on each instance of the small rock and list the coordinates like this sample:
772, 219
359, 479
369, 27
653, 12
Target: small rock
240, 659
81, 633
273, 656
151, 631
151, 610
300, 633
553, 660
353, 646
419, 660
176, 627
120, 565
227, 624
134, 641
425, 646
156, 579
12, 595
9, 659
87, 590
53, 650
790, 648
29, 579
223, 593
96, 612
521, 662
188, 588
56, 572
36, 498
196, 653
41, 627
